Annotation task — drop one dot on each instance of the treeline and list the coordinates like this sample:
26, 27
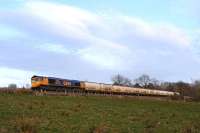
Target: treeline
186, 90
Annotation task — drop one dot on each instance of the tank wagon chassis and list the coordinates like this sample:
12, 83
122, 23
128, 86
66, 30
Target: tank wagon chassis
51, 85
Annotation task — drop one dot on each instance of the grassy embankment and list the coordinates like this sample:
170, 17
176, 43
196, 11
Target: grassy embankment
28, 113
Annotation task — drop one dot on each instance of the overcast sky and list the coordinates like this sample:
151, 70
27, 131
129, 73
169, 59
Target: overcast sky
95, 39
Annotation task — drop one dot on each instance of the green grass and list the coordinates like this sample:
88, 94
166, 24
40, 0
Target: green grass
32, 114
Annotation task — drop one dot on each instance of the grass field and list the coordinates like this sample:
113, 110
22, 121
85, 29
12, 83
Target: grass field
60, 114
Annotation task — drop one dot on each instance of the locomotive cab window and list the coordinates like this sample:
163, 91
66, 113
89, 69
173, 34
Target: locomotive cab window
35, 79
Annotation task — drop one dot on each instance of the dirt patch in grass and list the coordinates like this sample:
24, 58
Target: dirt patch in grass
102, 128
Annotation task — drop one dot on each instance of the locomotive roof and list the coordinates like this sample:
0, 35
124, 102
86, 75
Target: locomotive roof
56, 78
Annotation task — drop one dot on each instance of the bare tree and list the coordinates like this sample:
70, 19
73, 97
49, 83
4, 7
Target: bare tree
155, 82
28, 86
121, 80
127, 82
143, 80
168, 86
196, 89
147, 82
183, 88
12, 86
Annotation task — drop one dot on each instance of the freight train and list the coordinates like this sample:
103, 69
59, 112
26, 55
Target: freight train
41, 83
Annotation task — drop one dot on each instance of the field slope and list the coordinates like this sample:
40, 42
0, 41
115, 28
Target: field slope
28, 113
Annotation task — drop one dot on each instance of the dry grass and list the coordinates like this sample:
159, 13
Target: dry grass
191, 128
16, 91
26, 124
102, 128
3, 130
